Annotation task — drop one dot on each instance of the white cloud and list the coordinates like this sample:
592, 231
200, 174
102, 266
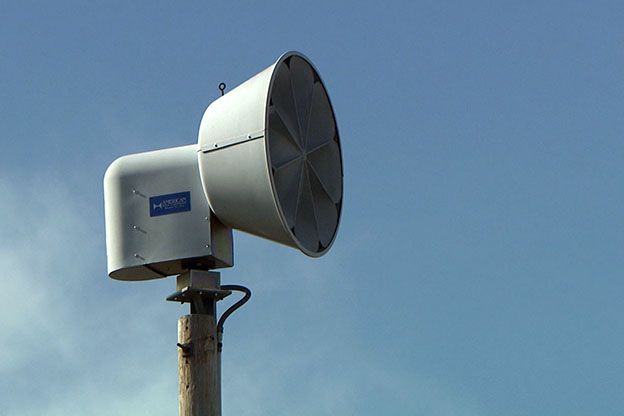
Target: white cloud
36, 232
64, 334
74, 342
298, 353
284, 384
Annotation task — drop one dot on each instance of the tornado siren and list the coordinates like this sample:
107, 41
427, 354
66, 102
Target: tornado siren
268, 162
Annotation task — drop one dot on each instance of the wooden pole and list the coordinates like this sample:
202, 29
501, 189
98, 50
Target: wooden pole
199, 365
199, 346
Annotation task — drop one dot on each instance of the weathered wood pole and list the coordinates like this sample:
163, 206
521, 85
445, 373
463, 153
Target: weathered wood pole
199, 365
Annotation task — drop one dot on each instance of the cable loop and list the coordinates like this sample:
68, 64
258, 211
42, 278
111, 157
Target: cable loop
235, 306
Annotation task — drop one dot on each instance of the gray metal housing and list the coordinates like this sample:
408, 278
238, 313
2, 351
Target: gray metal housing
158, 222
270, 158
268, 162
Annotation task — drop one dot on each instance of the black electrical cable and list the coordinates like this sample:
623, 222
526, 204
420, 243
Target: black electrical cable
232, 308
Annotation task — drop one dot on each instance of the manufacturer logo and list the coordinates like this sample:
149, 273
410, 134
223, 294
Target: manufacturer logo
170, 204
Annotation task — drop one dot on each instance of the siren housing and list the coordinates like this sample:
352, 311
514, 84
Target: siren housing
268, 162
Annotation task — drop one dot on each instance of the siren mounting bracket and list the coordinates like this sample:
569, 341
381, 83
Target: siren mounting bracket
202, 289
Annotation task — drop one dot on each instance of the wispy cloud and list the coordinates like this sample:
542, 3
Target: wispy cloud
311, 383
69, 345
294, 349
74, 342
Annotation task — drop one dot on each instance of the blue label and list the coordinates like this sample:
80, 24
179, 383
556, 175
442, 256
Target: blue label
170, 204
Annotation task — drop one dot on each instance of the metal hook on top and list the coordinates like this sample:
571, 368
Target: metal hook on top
222, 88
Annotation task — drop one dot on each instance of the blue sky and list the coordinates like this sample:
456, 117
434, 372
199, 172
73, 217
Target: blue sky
478, 269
